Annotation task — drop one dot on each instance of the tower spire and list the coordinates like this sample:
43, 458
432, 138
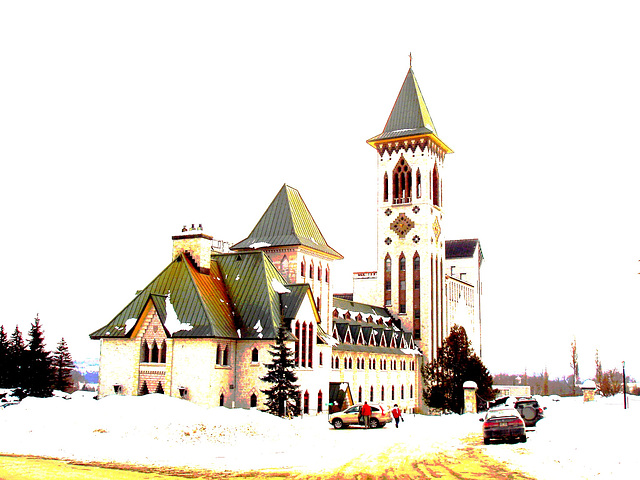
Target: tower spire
410, 58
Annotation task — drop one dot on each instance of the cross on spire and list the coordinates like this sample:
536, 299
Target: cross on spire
410, 58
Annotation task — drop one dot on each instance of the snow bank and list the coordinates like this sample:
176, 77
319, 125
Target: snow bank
574, 440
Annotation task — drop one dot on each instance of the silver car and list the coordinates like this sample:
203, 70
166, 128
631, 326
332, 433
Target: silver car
380, 416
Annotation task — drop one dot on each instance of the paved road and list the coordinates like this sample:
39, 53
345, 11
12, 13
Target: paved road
400, 463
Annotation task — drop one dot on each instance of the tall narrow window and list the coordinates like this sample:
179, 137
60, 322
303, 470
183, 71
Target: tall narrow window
146, 352
254, 355
302, 268
310, 340
387, 280
418, 184
385, 188
382, 393
436, 187
359, 394
154, 353
402, 283
402, 182
371, 394
296, 350
163, 352
254, 400
222, 399
319, 401
225, 356
284, 267
303, 349
416, 295
306, 402
326, 275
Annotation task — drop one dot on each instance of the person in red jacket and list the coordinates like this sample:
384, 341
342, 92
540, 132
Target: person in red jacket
397, 414
365, 411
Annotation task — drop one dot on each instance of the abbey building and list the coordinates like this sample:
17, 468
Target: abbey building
202, 328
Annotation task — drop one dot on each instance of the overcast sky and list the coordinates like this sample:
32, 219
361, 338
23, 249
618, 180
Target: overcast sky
122, 121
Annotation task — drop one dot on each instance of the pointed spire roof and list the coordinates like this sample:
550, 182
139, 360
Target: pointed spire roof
287, 222
410, 116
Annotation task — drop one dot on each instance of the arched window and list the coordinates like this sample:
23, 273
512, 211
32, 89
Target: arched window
225, 356
222, 399
146, 352
387, 281
303, 349
401, 392
371, 394
311, 270
163, 352
418, 184
350, 363
296, 350
319, 401
254, 400
302, 268
254, 355
436, 187
326, 274
306, 402
385, 188
410, 391
154, 352
320, 358
319, 272
402, 284
346, 363
382, 393
402, 182
219, 355
359, 394
310, 337
393, 392
284, 267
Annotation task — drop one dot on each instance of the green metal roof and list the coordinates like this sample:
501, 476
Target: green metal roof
362, 308
287, 221
199, 300
252, 283
410, 115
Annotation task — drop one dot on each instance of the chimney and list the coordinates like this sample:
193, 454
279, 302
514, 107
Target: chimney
194, 242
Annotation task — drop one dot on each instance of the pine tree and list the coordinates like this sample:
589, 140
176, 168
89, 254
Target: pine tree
62, 365
283, 397
38, 374
17, 352
455, 363
4, 359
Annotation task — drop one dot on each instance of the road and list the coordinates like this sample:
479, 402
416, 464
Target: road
401, 462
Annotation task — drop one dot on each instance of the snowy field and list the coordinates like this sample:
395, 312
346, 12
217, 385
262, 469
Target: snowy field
575, 440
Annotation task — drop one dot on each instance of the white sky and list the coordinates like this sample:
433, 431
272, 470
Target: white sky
122, 121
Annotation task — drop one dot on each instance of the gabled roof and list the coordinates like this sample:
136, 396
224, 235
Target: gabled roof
410, 116
287, 221
462, 248
199, 300
253, 284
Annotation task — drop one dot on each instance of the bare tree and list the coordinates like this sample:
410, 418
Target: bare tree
574, 365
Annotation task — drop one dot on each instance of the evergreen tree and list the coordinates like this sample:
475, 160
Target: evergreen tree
38, 374
455, 363
283, 397
4, 359
17, 352
62, 365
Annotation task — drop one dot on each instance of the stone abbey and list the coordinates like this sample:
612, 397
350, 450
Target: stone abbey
202, 328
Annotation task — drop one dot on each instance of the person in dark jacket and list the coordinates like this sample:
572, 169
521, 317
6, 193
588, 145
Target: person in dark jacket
366, 413
397, 414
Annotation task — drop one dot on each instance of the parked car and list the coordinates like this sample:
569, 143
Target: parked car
503, 423
530, 410
380, 416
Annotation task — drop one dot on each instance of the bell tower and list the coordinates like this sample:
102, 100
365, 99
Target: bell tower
410, 218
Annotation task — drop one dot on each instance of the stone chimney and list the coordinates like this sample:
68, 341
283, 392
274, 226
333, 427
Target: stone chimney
194, 242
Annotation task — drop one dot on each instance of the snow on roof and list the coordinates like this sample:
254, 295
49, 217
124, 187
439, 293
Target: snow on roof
172, 323
279, 287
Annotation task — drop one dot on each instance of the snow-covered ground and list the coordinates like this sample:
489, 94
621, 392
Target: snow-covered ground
575, 440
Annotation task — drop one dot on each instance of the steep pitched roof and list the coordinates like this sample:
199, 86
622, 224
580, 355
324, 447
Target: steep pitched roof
254, 287
287, 221
199, 301
410, 115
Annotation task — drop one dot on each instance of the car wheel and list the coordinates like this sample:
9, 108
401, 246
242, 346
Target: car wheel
374, 423
486, 441
523, 439
338, 424
529, 414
